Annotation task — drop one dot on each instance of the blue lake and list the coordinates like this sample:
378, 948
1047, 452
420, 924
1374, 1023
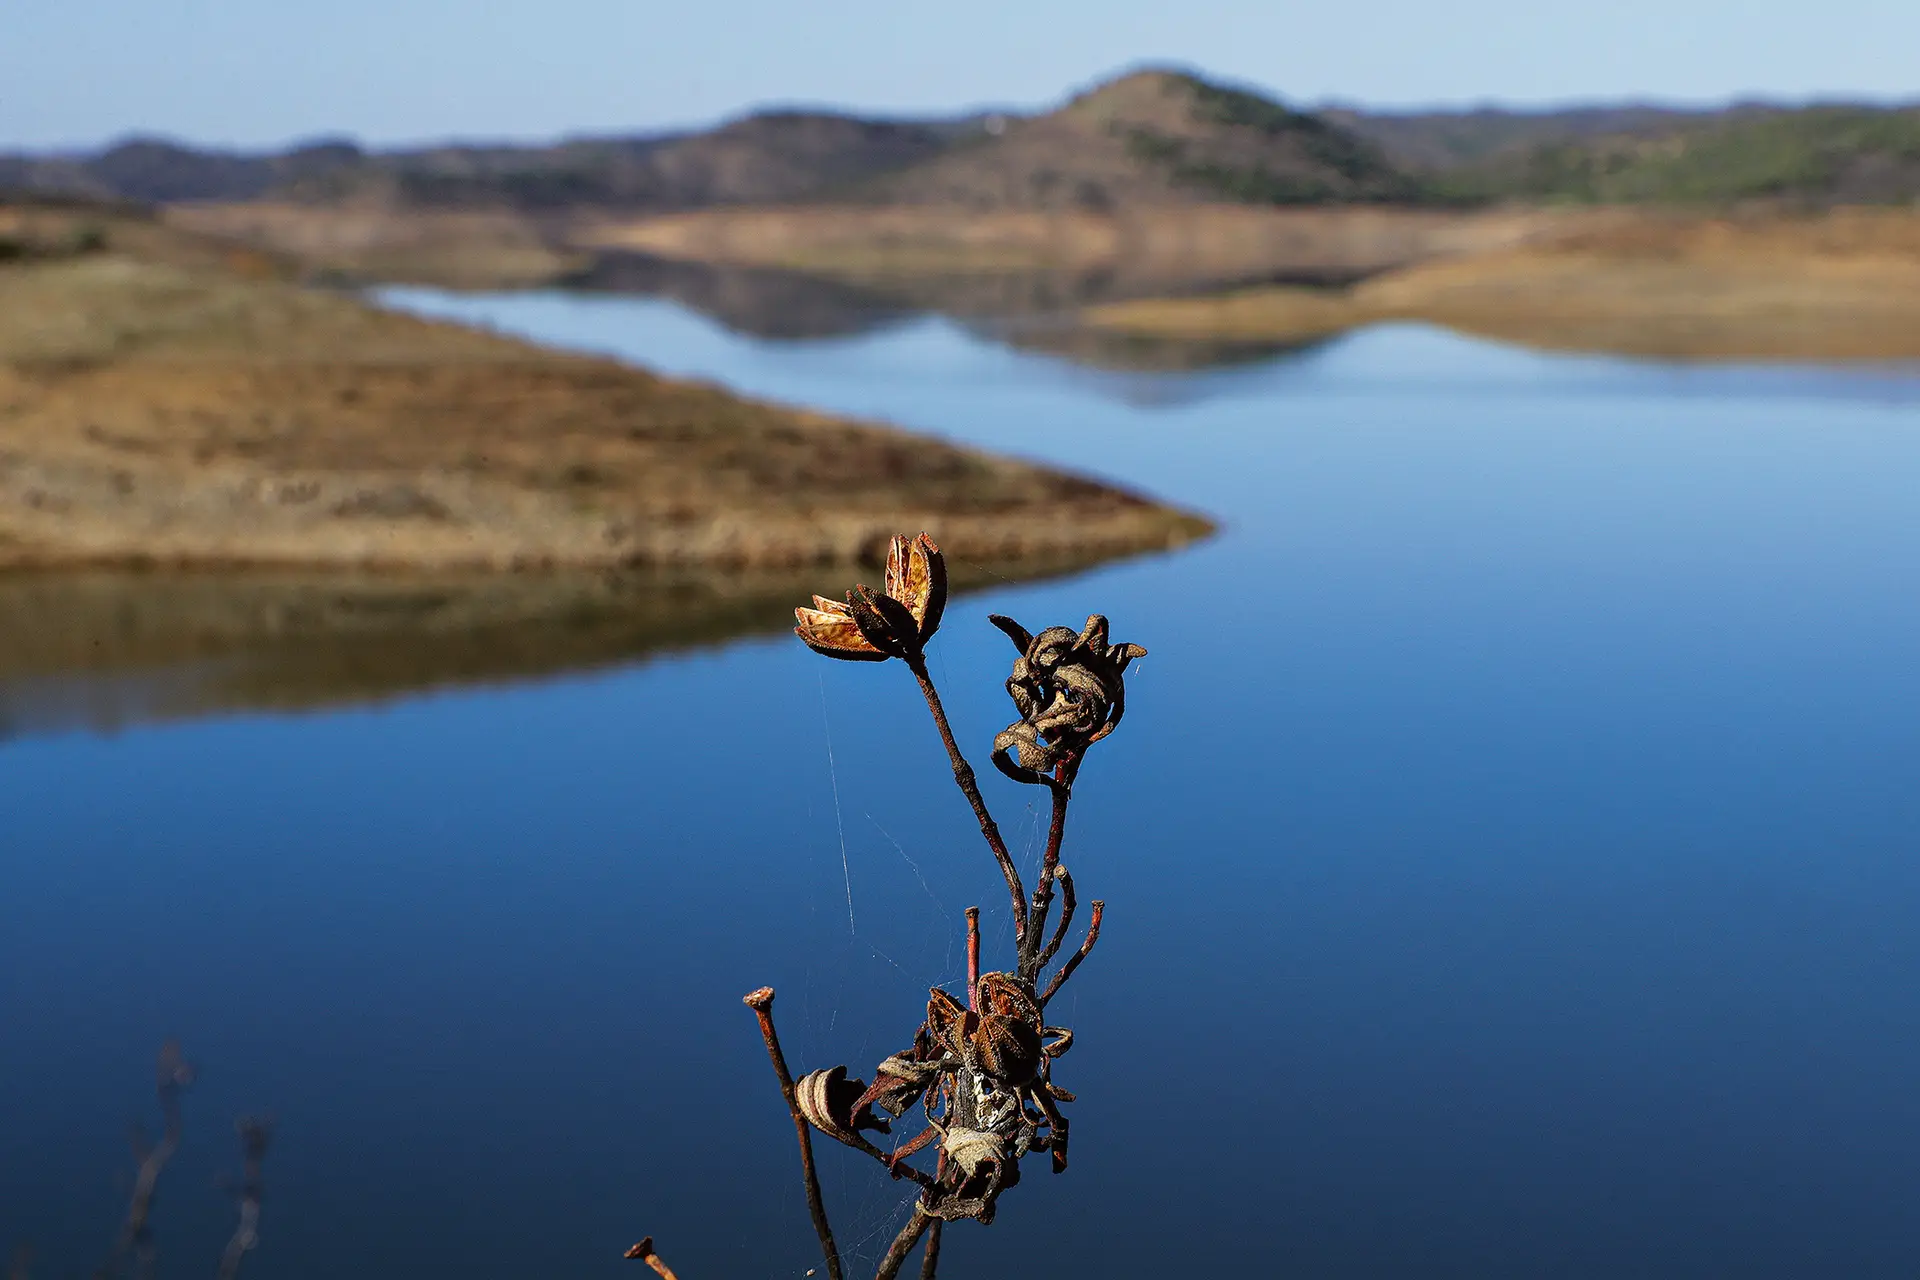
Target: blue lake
1512, 853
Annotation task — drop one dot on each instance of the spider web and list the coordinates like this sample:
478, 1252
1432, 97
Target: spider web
878, 971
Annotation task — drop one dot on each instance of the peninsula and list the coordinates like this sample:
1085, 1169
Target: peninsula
166, 400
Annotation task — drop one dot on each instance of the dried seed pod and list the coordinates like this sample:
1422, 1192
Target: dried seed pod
1069, 690
970, 1148
873, 626
917, 578
898, 1083
835, 1105
947, 1022
829, 629
886, 624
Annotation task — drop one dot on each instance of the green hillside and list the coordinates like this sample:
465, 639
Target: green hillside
1819, 155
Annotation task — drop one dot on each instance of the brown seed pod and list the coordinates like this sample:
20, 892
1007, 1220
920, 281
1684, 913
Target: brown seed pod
834, 1104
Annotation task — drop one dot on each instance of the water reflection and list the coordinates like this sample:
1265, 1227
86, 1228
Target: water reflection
757, 302
1029, 310
107, 650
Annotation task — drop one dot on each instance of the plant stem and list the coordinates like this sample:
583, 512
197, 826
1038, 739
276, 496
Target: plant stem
644, 1252
894, 1163
1043, 888
963, 776
903, 1244
973, 957
1073, 961
930, 1260
1067, 905
761, 1002
172, 1075
254, 1134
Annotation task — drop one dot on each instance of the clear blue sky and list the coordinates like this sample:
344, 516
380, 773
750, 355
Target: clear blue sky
254, 72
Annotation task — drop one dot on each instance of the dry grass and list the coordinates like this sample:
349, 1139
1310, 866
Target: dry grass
453, 249
166, 414
1169, 248
1844, 285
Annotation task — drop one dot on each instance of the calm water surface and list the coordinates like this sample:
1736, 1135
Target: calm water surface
1511, 855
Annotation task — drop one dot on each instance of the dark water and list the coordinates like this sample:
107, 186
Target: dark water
1511, 855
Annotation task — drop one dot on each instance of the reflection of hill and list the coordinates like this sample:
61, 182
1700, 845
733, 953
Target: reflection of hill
1028, 310
106, 650
760, 302
1142, 353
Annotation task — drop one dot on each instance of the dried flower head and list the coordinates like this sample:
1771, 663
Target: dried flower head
1070, 693
873, 626
981, 1071
835, 1105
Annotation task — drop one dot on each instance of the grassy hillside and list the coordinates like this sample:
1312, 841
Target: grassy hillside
175, 408
1428, 142
1154, 138
1837, 154
1838, 285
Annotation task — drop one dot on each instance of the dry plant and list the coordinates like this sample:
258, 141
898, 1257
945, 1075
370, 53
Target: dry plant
981, 1072
135, 1251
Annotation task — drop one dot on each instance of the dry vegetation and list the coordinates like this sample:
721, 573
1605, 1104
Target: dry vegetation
1838, 285
457, 249
1175, 247
172, 413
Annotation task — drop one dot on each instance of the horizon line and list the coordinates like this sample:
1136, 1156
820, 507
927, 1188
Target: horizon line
799, 106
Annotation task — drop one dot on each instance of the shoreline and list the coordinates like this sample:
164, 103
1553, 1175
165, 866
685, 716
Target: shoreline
1752, 282
165, 409
1843, 286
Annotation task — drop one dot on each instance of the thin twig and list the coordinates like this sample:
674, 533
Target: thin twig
172, 1075
1067, 905
644, 1252
254, 1135
930, 1258
963, 775
973, 957
1073, 961
903, 1244
1062, 789
761, 1002
894, 1161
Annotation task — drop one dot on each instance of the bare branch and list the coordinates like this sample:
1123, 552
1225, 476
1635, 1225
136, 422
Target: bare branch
172, 1075
644, 1252
1063, 776
903, 1244
255, 1133
1073, 961
963, 776
1067, 905
761, 1002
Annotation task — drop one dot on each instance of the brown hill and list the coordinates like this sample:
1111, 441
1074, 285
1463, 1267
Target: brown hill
1146, 139
1836, 285
770, 156
1153, 138
157, 409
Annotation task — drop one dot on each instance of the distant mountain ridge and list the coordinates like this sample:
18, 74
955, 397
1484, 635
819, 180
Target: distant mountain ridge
1148, 138
769, 156
1153, 138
